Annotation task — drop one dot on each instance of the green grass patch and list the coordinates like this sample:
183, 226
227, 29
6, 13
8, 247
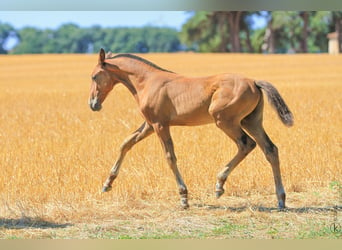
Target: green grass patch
321, 231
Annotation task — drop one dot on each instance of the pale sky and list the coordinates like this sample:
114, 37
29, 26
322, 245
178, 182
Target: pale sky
54, 19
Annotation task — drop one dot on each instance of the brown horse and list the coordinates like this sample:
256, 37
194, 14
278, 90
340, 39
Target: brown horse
233, 103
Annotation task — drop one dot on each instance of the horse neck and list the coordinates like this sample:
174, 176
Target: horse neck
135, 74
132, 75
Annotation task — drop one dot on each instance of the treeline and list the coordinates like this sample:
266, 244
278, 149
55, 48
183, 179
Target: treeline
70, 38
222, 31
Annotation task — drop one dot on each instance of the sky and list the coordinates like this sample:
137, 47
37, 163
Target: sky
54, 19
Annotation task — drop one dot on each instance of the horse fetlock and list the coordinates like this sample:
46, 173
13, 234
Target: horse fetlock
183, 191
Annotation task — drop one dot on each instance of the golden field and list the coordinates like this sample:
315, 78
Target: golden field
56, 153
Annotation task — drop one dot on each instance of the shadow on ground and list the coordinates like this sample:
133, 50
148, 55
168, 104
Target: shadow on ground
271, 209
28, 222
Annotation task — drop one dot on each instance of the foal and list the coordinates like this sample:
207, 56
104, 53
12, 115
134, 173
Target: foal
233, 103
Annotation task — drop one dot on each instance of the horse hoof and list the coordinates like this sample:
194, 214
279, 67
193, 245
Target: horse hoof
281, 205
184, 204
219, 193
106, 189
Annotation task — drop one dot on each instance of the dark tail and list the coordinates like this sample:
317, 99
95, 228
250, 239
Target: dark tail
277, 102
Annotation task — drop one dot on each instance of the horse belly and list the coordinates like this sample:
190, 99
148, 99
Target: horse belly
191, 107
196, 117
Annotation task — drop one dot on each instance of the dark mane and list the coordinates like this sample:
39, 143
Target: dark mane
141, 60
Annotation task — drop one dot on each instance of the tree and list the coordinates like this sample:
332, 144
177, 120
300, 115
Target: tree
139, 40
337, 22
305, 18
234, 21
280, 32
297, 31
287, 31
31, 40
199, 34
208, 32
219, 31
318, 29
70, 38
67, 39
98, 35
160, 39
6, 32
246, 24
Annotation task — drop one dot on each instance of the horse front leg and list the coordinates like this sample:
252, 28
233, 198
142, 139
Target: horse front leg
140, 134
163, 133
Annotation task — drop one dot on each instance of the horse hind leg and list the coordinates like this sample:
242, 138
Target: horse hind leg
253, 125
245, 145
141, 133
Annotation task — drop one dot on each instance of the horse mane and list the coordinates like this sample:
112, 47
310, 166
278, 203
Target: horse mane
139, 59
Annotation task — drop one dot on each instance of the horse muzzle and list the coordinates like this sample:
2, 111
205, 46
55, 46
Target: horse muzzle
94, 104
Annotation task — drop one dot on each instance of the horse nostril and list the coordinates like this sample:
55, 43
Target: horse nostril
95, 105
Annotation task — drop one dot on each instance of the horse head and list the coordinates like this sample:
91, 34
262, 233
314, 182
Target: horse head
103, 81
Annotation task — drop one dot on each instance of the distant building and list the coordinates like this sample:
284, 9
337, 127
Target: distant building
333, 45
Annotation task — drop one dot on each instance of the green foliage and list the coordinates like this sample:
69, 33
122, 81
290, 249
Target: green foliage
32, 40
70, 38
291, 32
200, 33
257, 39
320, 22
139, 40
288, 27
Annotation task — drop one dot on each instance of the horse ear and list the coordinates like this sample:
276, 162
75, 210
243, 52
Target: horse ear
102, 56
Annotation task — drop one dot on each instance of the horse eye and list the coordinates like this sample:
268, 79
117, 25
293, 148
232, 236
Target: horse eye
93, 78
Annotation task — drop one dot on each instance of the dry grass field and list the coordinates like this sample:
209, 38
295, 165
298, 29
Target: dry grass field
55, 154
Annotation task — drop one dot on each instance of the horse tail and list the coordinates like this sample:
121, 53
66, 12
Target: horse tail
277, 102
